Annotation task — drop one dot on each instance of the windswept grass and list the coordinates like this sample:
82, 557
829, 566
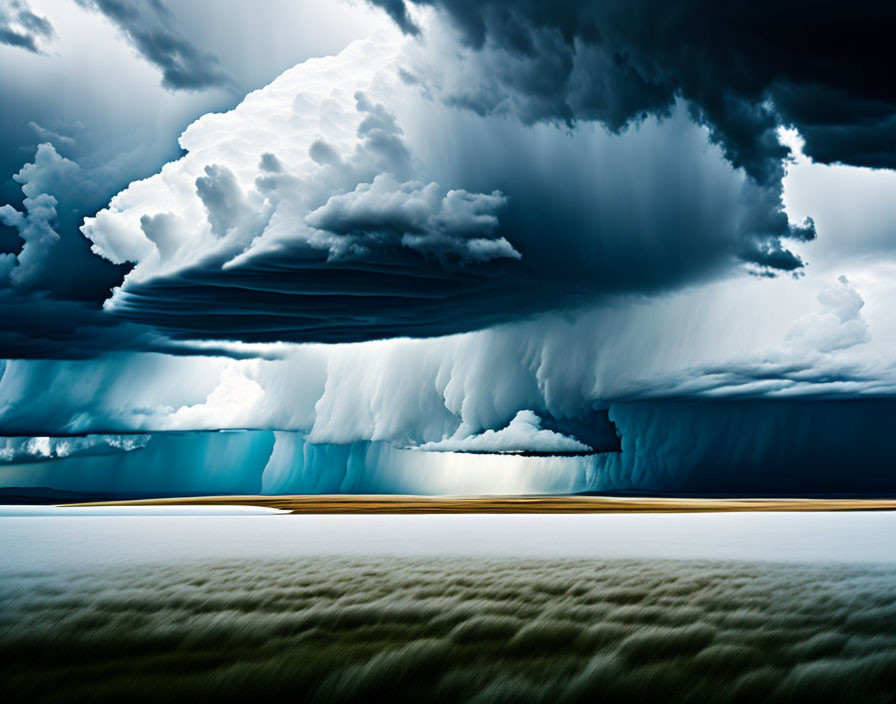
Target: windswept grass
448, 630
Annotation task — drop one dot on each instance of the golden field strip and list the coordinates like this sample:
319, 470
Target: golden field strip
387, 503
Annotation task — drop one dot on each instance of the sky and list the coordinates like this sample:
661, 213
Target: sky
649, 245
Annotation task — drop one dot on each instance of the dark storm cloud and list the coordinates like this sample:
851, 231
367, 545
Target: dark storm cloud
42, 326
397, 10
38, 326
54, 257
20, 27
350, 629
296, 294
651, 208
149, 27
51, 284
753, 446
744, 68
374, 255
380, 267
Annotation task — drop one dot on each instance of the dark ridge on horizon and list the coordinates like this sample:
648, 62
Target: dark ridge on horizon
45, 495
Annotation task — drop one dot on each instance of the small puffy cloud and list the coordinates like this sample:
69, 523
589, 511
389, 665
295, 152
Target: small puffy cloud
17, 450
220, 193
21, 27
233, 403
385, 213
162, 230
54, 256
37, 223
49, 172
269, 162
837, 326
51, 137
35, 227
523, 434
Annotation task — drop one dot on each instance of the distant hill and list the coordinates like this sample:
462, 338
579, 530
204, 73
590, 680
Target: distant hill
42, 495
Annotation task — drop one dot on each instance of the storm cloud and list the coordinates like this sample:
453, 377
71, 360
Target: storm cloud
753, 447
51, 285
20, 27
743, 69
149, 27
696, 401
317, 211
575, 211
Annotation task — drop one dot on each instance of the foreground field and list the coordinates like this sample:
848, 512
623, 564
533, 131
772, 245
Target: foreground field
450, 630
367, 503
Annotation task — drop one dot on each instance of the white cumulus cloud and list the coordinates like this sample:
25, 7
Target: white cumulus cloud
523, 434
